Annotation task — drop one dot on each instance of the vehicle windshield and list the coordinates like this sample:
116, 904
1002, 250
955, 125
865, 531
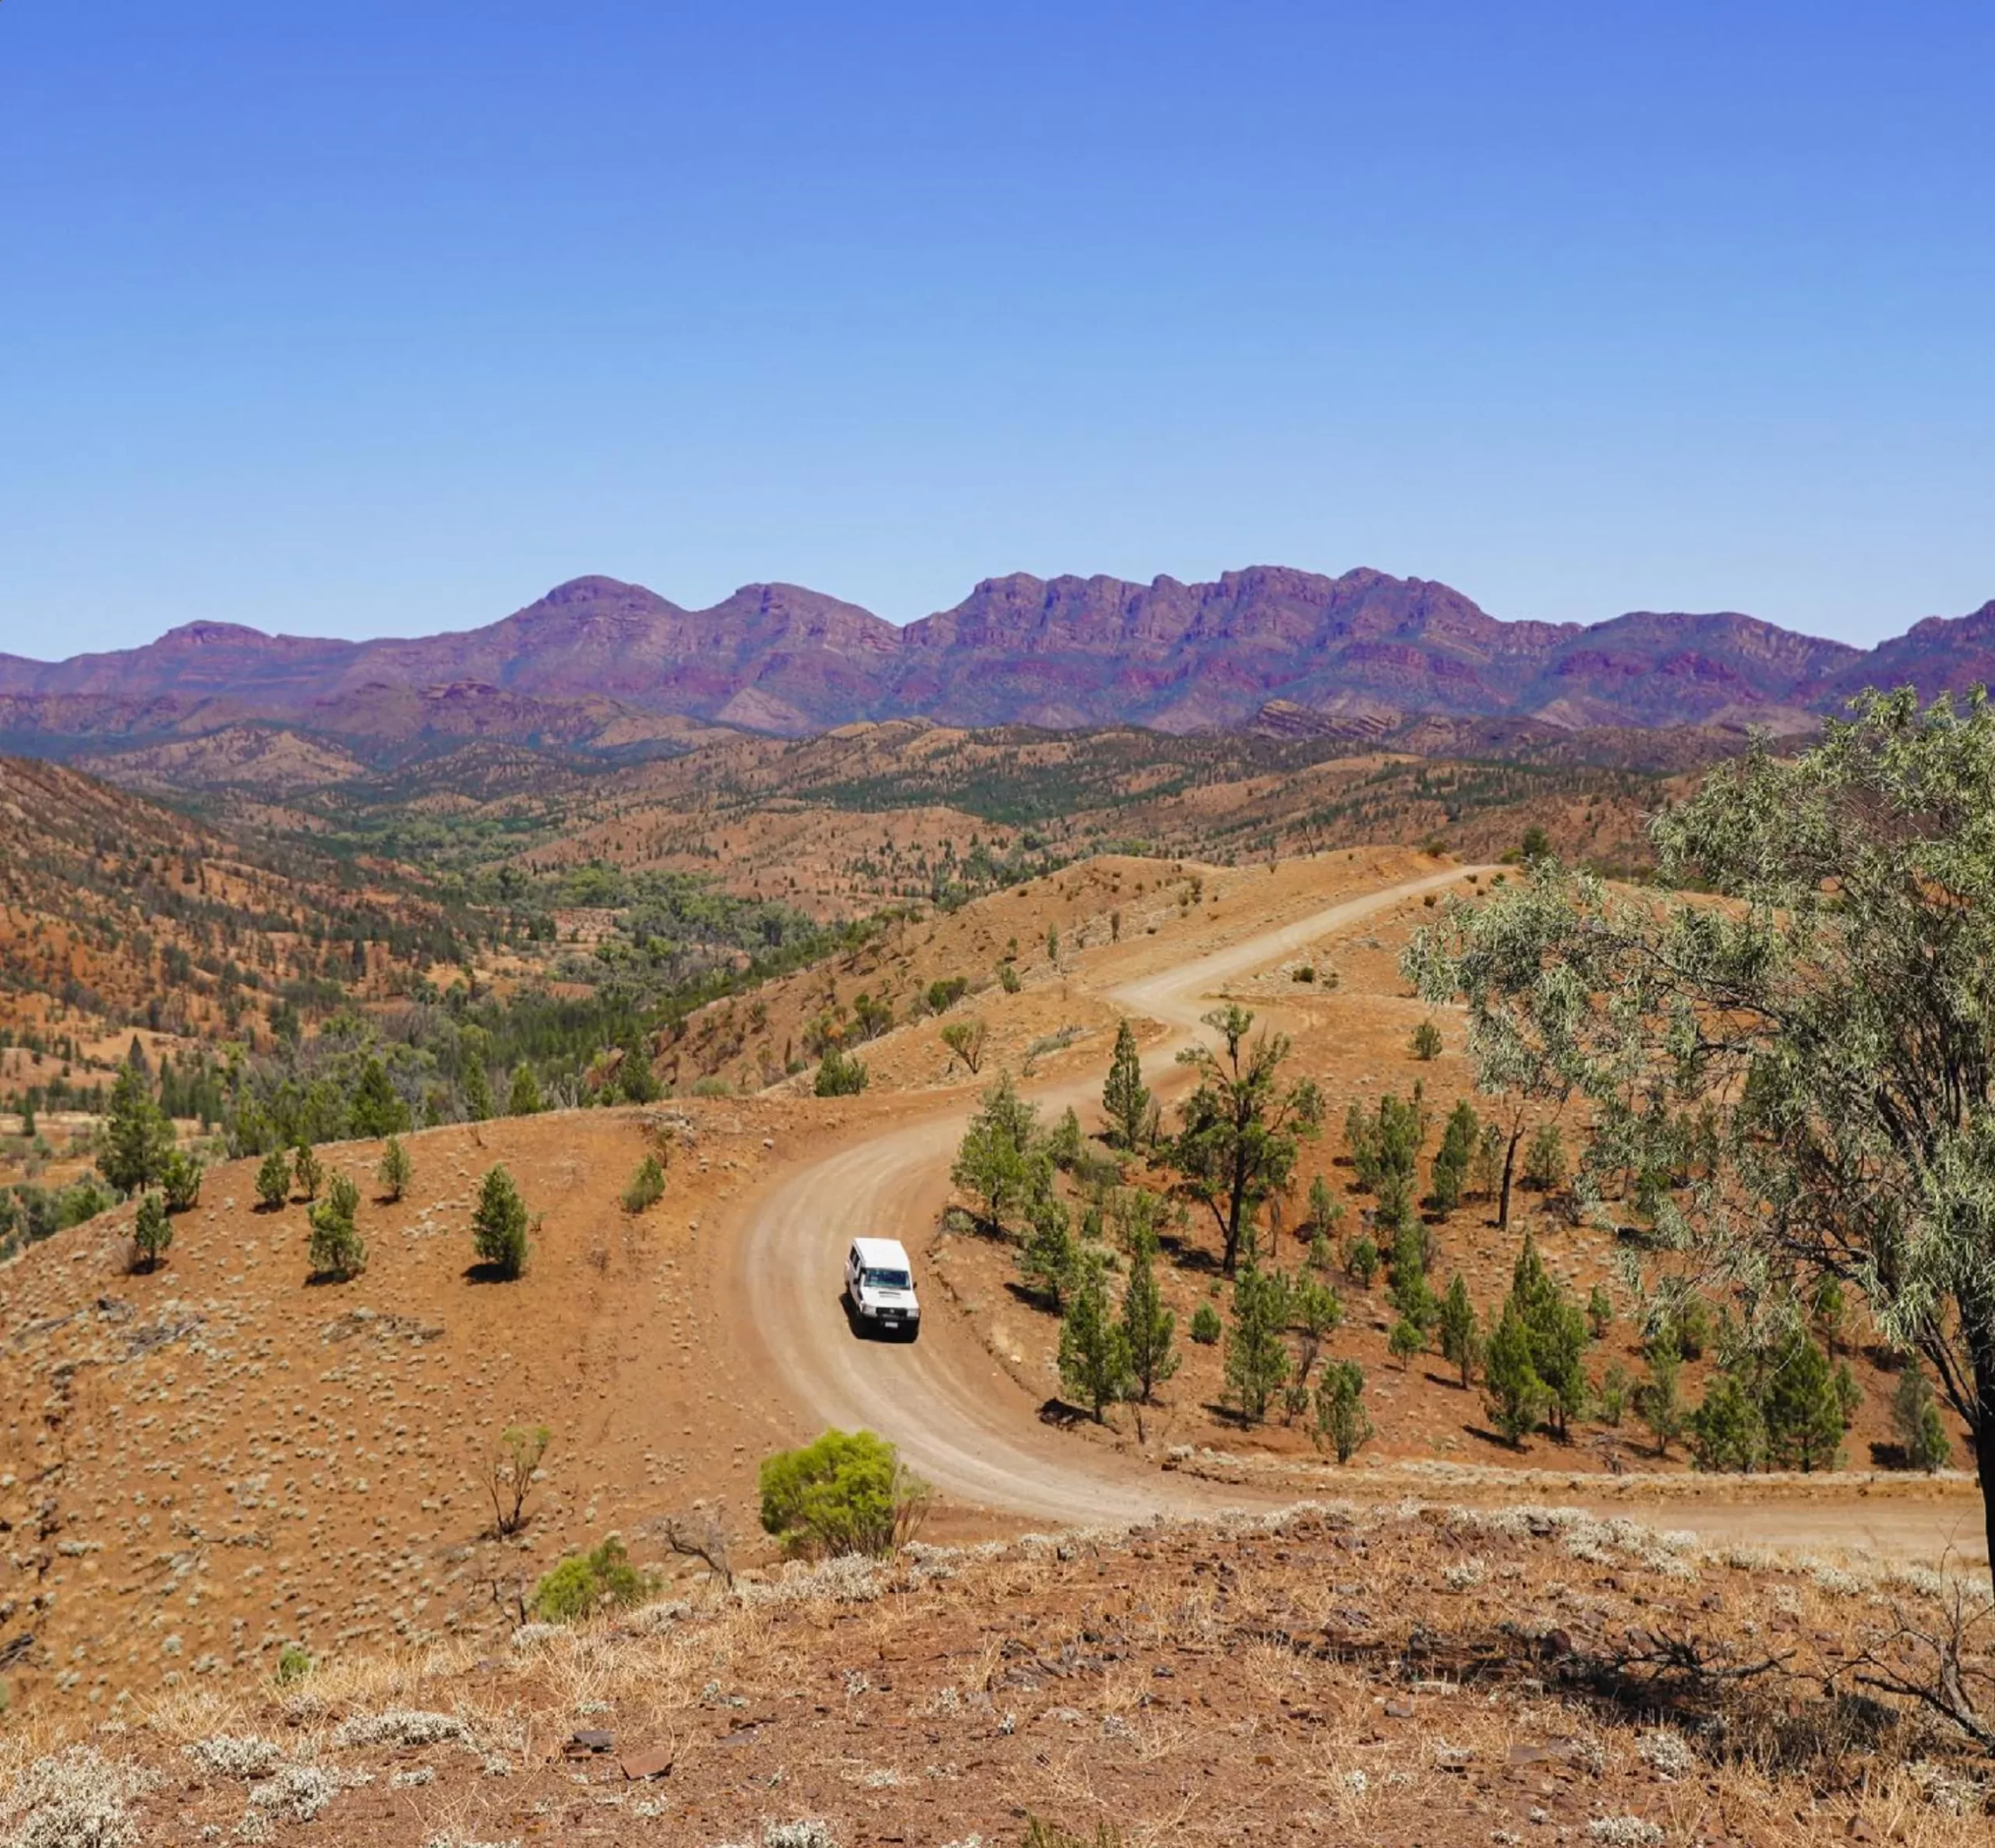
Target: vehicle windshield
886, 1280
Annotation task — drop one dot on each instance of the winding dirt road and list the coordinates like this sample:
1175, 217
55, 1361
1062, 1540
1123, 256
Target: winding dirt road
958, 1417
969, 1428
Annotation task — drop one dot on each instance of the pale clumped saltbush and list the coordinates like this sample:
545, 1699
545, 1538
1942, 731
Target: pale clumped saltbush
807, 1834
1624, 1832
929, 1564
76, 1799
1463, 1573
401, 1725
1837, 1583
1949, 1791
300, 1791
1584, 1536
529, 1637
1664, 1751
655, 1619
248, 1756
851, 1578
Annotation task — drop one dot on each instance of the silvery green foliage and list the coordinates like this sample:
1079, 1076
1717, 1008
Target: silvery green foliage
74, 1799
1789, 1060
247, 1755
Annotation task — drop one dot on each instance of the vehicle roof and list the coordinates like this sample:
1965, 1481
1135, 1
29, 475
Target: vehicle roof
883, 1252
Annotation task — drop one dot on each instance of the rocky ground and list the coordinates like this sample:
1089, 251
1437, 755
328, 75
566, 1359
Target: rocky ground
1413, 1675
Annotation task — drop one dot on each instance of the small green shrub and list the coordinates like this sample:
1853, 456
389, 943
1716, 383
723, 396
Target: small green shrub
181, 1182
847, 1492
396, 1171
308, 1171
499, 1226
1342, 1422
647, 1186
1361, 1260
337, 1250
1206, 1327
1600, 1312
152, 1230
1426, 1042
274, 1180
589, 1582
840, 1075
293, 1665
1007, 978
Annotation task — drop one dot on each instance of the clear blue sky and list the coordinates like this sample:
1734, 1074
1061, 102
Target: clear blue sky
382, 318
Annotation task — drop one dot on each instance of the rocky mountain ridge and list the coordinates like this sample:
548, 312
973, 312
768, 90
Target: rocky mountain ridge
1067, 652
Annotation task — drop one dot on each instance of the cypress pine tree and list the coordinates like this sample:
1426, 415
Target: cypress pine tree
377, 1109
1727, 1432
396, 1170
1921, 1431
524, 1098
1557, 1330
1517, 1396
1341, 1419
1461, 1340
1410, 1293
1449, 1177
1256, 1357
1658, 1402
138, 1136
1047, 1259
1147, 1326
499, 1225
1094, 1351
1803, 1410
1325, 1212
635, 1078
1124, 1098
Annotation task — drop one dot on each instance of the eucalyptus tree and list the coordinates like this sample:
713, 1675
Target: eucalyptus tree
1789, 1072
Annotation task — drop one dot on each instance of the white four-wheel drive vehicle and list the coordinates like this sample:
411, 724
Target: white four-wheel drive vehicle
879, 1284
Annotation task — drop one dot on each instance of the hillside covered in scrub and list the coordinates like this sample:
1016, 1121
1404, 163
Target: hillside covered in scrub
1422, 1673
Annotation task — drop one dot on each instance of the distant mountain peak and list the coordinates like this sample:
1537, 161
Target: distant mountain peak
204, 633
1284, 650
595, 589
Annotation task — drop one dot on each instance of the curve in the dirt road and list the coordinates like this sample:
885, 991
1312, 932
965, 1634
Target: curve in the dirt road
967, 1426
958, 1417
